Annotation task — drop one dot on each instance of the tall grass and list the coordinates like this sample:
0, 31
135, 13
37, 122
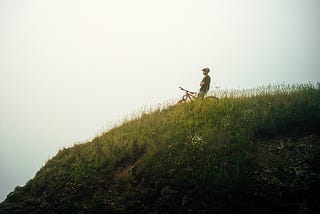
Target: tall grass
205, 142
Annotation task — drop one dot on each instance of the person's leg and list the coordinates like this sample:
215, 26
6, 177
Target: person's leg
201, 94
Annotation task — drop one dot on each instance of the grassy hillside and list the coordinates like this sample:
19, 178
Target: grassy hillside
253, 150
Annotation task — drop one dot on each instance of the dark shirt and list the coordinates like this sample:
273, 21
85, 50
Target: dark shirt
206, 86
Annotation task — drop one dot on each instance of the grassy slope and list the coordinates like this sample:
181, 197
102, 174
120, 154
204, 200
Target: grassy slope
200, 155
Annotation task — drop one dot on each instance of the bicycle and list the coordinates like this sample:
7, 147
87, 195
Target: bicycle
190, 95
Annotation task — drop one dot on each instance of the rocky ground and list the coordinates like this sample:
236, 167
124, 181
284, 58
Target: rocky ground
287, 177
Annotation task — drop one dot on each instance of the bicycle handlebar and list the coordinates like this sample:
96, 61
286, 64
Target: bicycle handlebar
191, 92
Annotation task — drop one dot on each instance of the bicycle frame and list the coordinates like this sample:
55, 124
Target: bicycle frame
189, 95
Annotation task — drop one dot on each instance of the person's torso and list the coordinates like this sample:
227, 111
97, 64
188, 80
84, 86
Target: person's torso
206, 86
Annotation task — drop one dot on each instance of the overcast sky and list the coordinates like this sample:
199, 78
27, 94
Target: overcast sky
70, 69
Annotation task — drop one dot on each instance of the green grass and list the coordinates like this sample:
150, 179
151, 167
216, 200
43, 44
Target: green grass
199, 144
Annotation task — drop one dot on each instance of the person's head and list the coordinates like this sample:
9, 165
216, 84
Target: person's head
205, 71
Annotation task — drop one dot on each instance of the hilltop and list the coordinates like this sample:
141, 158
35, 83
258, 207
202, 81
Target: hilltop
249, 151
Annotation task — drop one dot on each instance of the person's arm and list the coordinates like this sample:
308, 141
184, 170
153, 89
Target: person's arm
204, 81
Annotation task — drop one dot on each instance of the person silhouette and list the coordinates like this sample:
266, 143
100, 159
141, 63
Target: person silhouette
205, 83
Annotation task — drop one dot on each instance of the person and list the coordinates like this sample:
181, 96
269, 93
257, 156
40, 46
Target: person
205, 83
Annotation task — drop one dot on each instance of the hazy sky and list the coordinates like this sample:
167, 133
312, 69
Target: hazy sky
70, 69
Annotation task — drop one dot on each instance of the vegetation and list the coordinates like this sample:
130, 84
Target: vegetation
244, 151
